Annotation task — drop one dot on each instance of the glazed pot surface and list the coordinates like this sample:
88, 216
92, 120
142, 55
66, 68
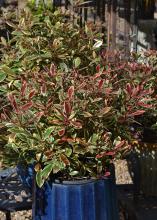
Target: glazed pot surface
85, 200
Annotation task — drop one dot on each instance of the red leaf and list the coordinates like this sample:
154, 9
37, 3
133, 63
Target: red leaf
66, 139
49, 103
106, 136
76, 124
135, 91
128, 88
64, 159
11, 98
122, 119
98, 156
23, 88
119, 145
138, 112
26, 106
67, 108
3, 117
31, 94
146, 92
38, 115
6, 113
43, 88
13, 102
100, 84
110, 153
97, 75
108, 91
107, 174
98, 68
56, 122
52, 70
61, 132
71, 92
144, 105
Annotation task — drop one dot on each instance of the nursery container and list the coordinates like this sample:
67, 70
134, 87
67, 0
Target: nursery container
76, 200
147, 155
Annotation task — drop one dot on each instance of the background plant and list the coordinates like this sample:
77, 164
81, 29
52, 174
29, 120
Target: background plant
45, 37
138, 76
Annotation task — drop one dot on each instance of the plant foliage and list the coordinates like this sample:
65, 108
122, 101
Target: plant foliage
65, 113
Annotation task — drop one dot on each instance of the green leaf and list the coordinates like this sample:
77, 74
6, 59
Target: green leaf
68, 152
86, 29
2, 76
22, 136
64, 67
7, 70
47, 132
87, 114
26, 33
39, 179
98, 44
39, 131
74, 173
3, 41
3, 89
16, 130
46, 171
58, 166
46, 55
77, 62
17, 33
11, 24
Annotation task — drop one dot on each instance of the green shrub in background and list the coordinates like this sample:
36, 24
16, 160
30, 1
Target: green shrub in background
46, 37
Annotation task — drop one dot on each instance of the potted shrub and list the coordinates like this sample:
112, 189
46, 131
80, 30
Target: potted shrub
47, 93
70, 124
145, 150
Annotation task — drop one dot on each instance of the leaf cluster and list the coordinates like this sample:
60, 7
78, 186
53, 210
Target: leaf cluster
40, 38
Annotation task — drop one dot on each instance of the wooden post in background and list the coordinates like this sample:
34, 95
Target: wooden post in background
109, 25
135, 25
127, 9
113, 23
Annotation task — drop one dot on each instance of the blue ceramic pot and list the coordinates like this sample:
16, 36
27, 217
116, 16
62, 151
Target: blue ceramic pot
81, 200
26, 174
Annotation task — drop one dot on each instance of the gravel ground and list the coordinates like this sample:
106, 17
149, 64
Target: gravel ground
122, 173
22, 215
122, 176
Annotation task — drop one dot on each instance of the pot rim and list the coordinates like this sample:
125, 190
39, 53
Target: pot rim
80, 182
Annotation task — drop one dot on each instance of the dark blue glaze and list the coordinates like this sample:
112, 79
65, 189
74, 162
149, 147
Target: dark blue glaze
88, 200
26, 174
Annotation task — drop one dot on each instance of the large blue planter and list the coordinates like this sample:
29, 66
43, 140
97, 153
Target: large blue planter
26, 174
82, 200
